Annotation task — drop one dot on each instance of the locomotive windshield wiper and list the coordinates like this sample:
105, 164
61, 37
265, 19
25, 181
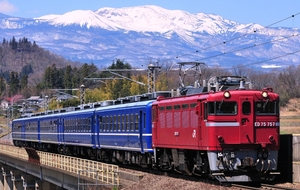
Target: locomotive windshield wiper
220, 105
265, 104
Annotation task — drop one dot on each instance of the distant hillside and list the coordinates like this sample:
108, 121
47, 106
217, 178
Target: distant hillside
17, 54
150, 33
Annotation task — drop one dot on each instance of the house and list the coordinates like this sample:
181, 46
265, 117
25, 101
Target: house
4, 104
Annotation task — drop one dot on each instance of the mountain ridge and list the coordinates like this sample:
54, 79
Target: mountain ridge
143, 33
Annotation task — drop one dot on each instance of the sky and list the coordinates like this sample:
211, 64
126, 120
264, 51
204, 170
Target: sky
263, 12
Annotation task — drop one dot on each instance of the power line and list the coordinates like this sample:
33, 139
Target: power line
232, 39
252, 46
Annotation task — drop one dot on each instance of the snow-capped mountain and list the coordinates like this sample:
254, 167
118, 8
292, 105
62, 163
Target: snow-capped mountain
150, 33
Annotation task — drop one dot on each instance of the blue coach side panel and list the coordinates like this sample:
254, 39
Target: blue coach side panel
49, 126
18, 129
25, 129
77, 128
125, 127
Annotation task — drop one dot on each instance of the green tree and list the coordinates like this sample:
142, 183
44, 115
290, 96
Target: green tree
26, 70
24, 81
138, 88
68, 77
14, 85
2, 85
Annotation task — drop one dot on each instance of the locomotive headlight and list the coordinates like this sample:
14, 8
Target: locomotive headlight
226, 94
264, 94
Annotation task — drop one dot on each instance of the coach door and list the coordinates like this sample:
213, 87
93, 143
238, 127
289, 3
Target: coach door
246, 119
60, 130
141, 127
94, 130
23, 127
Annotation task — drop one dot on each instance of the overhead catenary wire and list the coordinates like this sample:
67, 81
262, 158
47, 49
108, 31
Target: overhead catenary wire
252, 46
240, 36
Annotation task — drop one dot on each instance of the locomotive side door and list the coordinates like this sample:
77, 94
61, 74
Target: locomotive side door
200, 113
246, 119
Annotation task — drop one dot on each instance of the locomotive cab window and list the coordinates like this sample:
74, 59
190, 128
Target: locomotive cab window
267, 108
222, 108
246, 108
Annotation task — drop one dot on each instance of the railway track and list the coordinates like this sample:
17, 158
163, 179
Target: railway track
198, 180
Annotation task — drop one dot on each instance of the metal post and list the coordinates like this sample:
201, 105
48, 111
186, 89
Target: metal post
151, 77
12, 108
24, 107
46, 103
82, 94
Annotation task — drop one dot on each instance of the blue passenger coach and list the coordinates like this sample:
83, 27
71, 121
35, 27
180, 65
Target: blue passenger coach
77, 130
125, 127
113, 130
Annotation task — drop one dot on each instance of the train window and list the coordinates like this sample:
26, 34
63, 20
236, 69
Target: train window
119, 123
111, 123
69, 123
176, 107
123, 122
104, 123
107, 121
82, 124
226, 108
161, 108
185, 106
127, 122
168, 107
77, 125
193, 105
266, 108
132, 122
211, 108
137, 118
88, 125
100, 123
246, 108
114, 122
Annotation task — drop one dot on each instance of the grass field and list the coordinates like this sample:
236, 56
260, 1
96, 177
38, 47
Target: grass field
290, 117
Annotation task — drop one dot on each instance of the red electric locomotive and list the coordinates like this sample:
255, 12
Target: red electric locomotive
230, 132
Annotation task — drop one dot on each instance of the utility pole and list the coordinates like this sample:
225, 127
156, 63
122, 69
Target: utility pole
150, 71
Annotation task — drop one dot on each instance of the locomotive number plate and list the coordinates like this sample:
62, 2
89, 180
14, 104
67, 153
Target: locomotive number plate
266, 124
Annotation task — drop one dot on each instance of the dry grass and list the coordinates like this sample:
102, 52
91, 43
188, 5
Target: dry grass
290, 117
